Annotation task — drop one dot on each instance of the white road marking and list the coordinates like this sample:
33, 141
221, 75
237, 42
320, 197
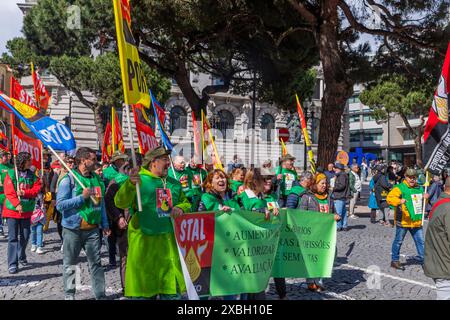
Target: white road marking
425, 285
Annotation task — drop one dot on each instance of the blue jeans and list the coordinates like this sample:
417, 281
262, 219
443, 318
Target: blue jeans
341, 210
36, 234
400, 233
18, 236
1, 218
74, 240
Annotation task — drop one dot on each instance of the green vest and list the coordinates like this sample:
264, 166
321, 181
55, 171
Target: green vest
289, 176
27, 182
3, 170
251, 201
91, 212
111, 173
414, 200
154, 218
298, 190
234, 185
184, 178
198, 176
323, 205
212, 204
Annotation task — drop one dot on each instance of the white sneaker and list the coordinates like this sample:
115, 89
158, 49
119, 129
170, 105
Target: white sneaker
39, 250
33, 248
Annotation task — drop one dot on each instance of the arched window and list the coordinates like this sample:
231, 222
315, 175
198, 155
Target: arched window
224, 121
267, 126
178, 119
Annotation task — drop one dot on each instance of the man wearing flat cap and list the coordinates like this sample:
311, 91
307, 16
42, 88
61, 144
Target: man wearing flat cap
407, 198
118, 159
153, 266
286, 176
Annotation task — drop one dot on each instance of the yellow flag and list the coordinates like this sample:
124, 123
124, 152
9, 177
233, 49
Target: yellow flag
207, 127
283, 148
133, 79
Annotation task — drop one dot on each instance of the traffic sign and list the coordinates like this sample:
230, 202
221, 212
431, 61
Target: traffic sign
283, 134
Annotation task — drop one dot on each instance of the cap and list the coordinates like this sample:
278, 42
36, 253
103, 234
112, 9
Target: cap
411, 173
55, 164
117, 155
3, 152
287, 157
152, 154
266, 172
339, 165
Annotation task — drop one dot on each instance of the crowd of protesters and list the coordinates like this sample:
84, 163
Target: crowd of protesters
97, 202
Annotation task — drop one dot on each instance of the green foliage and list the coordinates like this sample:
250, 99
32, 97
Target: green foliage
396, 94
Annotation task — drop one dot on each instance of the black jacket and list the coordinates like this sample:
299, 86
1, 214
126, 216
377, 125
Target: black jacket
341, 189
381, 189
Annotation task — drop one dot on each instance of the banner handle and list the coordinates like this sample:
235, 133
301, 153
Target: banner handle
133, 156
425, 200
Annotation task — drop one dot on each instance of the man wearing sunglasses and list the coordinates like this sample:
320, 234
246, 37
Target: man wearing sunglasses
407, 198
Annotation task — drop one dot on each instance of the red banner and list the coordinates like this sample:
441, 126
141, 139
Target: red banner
4, 142
118, 136
24, 143
19, 93
146, 136
107, 146
41, 93
195, 236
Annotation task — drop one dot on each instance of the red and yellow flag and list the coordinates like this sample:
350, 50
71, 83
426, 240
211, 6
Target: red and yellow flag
40, 92
210, 140
283, 148
305, 135
106, 147
117, 136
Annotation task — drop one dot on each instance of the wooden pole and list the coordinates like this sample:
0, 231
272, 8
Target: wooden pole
14, 154
133, 155
71, 172
425, 200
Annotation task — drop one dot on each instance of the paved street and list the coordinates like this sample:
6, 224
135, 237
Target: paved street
362, 269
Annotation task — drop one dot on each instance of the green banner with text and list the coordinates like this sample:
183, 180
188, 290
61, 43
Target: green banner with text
307, 245
244, 252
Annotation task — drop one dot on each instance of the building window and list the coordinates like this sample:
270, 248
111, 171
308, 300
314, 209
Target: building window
216, 81
373, 135
267, 126
354, 118
354, 137
368, 117
407, 135
354, 99
315, 127
224, 121
178, 119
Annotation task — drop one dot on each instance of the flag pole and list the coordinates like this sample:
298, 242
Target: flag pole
133, 155
71, 172
14, 155
425, 200
42, 160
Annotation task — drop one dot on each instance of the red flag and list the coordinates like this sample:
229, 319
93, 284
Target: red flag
41, 93
436, 137
4, 143
146, 136
107, 148
24, 140
18, 93
118, 136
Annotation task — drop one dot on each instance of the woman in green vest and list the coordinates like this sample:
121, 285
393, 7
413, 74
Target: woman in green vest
153, 266
21, 191
236, 181
318, 200
216, 197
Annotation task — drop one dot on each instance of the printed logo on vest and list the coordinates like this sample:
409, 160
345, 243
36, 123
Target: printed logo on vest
163, 202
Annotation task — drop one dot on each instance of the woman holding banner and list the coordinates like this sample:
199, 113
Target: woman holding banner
216, 196
318, 200
236, 181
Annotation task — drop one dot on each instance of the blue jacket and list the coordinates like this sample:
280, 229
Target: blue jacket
67, 202
372, 199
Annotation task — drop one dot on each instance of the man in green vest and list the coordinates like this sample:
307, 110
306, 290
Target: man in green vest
153, 265
183, 176
4, 167
286, 176
83, 212
198, 176
118, 159
21, 189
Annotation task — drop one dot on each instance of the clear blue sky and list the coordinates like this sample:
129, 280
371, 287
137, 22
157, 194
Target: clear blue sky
10, 22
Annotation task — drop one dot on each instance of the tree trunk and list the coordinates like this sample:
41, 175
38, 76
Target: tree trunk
418, 149
99, 124
338, 88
